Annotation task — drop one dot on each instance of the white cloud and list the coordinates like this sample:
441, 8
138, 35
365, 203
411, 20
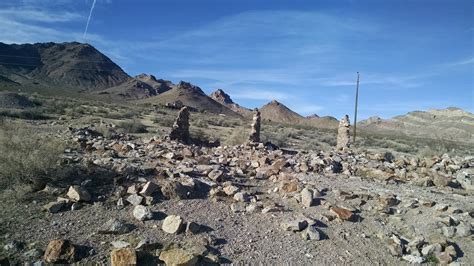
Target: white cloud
267, 95
30, 14
466, 61
306, 109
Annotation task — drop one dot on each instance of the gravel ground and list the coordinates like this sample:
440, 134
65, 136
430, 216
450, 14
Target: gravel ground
248, 237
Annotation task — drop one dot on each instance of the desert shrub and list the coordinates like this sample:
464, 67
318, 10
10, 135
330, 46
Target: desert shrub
133, 126
25, 156
222, 121
105, 131
121, 114
33, 114
201, 123
165, 121
237, 137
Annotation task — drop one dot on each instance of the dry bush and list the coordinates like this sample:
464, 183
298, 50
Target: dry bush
237, 137
25, 156
164, 121
134, 126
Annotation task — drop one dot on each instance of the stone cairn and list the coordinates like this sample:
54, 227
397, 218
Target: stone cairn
343, 136
180, 130
254, 137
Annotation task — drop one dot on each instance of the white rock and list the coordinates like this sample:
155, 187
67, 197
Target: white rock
120, 244
172, 224
306, 197
77, 193
135, 199
142, 213
413, 259
230, 190
149, 188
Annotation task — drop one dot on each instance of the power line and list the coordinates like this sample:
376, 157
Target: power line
355, 112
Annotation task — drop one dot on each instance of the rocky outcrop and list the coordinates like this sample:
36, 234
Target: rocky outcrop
222, 97
343, 136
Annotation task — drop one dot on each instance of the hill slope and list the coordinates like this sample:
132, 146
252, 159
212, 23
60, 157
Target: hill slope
449, 124
277, 112
70, 65
193, 96
223, 98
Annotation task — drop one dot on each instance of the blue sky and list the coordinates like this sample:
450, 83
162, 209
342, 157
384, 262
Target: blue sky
412, 55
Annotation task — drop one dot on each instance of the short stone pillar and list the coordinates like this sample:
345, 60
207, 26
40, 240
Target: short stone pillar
343, 136
255, 130
180, 130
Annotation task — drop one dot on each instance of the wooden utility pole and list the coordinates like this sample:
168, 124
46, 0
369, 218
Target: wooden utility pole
355, 113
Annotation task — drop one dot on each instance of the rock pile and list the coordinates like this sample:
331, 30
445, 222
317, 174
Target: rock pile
256, 181
255, 128
343, 136
180, 130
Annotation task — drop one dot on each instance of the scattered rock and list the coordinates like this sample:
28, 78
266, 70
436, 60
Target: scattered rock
311, 233
306, 197
230, 190
60, 251
77, 194
294, 225
142, 213
431, 249
193, 228
174, 190
178, 256
413, 259
149, 188
123, 256
115, 226
241, 197
135, 200
120, 244
54, 207
173, 224
342, 213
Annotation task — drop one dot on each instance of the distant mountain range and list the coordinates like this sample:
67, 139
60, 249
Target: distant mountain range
79, 68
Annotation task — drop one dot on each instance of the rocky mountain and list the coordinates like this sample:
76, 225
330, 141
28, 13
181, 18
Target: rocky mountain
69, 65
277, 112
141, 87
449, 124
221, 97
159, 85
192, 96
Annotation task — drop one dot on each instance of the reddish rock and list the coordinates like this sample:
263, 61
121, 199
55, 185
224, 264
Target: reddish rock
342, 213
123, 257
60, 251
290, 187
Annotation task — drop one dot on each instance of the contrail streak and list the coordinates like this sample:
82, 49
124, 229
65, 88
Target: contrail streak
89, 20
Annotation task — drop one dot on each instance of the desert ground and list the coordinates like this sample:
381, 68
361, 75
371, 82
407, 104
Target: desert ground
86, 181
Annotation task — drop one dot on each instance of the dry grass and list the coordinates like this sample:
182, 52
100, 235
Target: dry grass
26, 157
